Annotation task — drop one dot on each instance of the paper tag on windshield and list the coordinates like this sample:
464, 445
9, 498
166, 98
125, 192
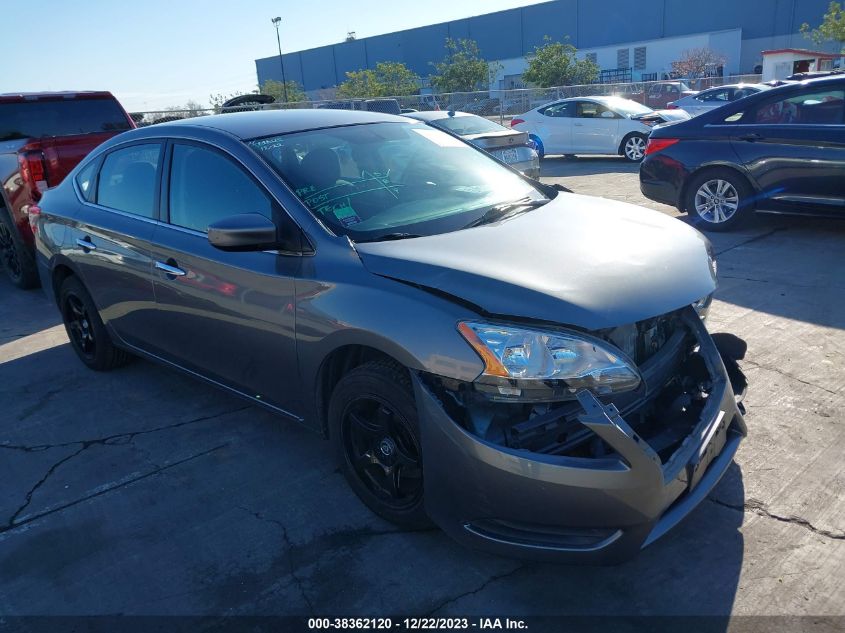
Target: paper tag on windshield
346, 215
441, 138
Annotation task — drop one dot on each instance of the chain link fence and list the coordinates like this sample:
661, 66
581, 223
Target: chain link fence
497, 105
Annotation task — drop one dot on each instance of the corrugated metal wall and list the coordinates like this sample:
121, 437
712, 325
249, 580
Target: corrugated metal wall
513, 33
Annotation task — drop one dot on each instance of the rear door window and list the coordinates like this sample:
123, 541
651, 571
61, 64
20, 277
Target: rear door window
128, 179
44, 118
819, 107
206, 186
560, 110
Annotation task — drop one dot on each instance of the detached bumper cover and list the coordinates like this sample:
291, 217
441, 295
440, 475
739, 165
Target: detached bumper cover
571, 509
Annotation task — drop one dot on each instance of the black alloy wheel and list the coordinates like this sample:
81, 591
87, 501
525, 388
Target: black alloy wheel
374, 426
383, 451
79, 327
85, 329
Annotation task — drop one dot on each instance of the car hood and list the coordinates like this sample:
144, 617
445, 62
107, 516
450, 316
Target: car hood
578, 260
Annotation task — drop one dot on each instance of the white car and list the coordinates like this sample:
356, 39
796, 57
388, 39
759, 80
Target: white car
593, 125
712, 98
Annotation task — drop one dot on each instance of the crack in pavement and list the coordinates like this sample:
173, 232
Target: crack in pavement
788, 375
111, 440
759, 508
44, 399
108, 488
127, 437
289, 553
483, 586
755, 238
40, 483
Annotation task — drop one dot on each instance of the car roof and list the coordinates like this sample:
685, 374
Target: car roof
19, 97
435, 115
246, 125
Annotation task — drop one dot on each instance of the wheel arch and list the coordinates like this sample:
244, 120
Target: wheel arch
60, 269
682, 195
340, 361
621, 149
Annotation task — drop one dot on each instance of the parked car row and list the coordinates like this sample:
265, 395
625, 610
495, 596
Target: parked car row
780, 150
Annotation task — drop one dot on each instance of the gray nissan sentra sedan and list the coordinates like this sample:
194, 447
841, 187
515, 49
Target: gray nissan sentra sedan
526, 368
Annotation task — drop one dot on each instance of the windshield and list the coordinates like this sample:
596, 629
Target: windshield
66, 117
388, 180
466, 125
626, 107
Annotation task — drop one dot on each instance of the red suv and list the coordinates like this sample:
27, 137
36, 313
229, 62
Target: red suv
42, 137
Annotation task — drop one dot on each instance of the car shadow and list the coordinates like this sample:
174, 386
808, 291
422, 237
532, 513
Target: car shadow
561, 166
14, 302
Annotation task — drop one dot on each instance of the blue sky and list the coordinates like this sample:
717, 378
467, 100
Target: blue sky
164, 52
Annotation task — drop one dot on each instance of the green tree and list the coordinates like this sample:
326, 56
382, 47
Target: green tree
462, 70
276, 89
360, 84
388, 79
396, 79
555, 64
832, 28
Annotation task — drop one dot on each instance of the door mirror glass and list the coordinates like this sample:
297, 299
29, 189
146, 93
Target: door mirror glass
243, 232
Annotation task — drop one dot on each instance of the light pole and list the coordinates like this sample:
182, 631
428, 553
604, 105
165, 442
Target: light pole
278, 21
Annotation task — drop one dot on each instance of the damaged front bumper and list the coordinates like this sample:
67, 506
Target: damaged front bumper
569, 509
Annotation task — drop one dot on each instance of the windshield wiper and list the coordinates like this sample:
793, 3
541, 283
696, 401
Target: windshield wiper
501, 211
392, 236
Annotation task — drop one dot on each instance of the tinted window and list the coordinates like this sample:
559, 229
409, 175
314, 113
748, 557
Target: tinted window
128, 178
590, 110
85, 180
817, 107
37, 119
722, 95
205, 187
560, 110
467, 125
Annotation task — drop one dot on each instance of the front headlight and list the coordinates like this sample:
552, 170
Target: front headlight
545, 365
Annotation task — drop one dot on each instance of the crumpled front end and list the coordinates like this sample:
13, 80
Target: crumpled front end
591, 479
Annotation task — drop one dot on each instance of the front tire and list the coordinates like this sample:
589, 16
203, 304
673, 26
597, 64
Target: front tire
719, 200
633, 147
375, 431
15, 257
88, 336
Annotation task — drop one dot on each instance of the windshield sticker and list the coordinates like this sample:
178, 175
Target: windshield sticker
440, 138
345, 214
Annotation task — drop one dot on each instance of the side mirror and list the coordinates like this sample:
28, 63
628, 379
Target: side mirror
607, 114
244, 232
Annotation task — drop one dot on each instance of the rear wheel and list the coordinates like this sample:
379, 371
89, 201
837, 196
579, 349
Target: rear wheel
88, 336
719, 199
375, 430
633, 147
15, 258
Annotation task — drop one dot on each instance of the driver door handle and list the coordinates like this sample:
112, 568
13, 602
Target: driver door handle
751, 137
86, 244
169, 269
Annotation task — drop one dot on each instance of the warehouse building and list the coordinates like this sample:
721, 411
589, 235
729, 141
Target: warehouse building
638, 39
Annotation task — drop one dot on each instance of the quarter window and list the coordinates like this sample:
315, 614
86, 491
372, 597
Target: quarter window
205, 187
822, 107
85, 180
128, 178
